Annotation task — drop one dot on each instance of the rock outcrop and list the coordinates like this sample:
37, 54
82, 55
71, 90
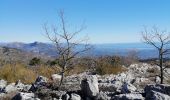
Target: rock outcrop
89, 86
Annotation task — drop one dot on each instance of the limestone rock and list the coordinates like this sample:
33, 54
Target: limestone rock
89, 86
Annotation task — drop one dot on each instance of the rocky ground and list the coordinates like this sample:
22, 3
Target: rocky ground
139, 82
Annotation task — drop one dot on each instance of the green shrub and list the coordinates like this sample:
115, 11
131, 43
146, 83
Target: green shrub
35, 61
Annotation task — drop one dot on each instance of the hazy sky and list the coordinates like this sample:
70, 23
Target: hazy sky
107, 21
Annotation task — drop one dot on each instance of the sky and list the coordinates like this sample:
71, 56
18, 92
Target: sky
107, 21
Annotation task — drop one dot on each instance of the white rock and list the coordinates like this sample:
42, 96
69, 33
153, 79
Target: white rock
25, 96
20, 86
102, 96
89, 86
129, 97
27, 88
75, 97
157, 79
3, 83
111, 87
56, 77
10, 88
128, 88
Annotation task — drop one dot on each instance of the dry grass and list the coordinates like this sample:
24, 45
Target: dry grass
76, 70
46, 71
12, 73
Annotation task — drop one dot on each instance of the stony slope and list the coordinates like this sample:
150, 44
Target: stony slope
137, 83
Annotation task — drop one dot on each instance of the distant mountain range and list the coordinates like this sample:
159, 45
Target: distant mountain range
47, 49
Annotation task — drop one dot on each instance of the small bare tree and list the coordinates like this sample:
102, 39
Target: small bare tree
66, 43
161, 41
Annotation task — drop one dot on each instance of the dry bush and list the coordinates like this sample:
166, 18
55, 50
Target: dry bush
46, 71
76, 70
108, 69
109, 65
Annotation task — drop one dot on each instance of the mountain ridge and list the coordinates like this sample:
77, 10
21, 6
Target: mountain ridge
48, 49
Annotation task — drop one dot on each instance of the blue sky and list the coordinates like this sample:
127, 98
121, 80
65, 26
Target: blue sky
107, 21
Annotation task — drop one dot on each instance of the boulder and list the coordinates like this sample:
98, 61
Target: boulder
121, 77
75, 97
130, 96
3, 83
40, 81
157, 79
66, 97
10, 88
102, 96
162, 88
25, 96
128, 88
59, 94
20, 86
89, 86
56, 77
115, 86
152, 95
26, 88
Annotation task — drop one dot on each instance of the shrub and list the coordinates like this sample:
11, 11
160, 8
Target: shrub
46, 71
35, 61
108, 69
109, 65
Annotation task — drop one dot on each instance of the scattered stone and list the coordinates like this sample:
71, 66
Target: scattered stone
102, 96
157, 79
75, 97
10, 88
59, 94
152, 95
162, 88
26, 88
66, 97
128, 97
25, 96
111, 87
56, 77
3, 83
128, 88
40, 81
20, 86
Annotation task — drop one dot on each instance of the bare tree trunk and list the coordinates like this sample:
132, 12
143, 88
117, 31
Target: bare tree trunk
161, 62
62, 76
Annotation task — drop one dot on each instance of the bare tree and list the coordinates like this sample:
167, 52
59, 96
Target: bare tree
161, 41
66, 43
